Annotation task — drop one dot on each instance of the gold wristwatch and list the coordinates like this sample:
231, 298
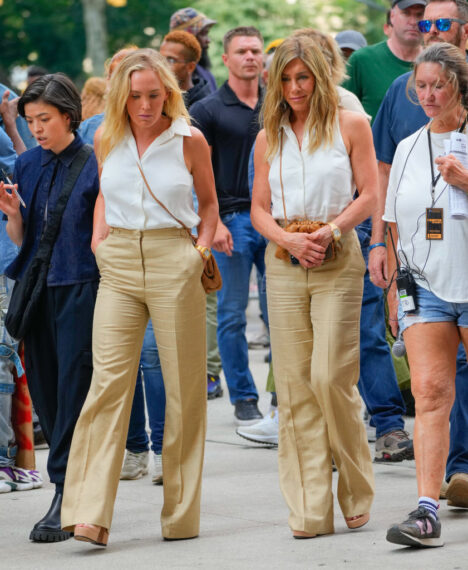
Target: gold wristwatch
205, 251
336, 232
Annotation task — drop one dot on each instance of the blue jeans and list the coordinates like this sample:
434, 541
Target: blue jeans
457, 461
9, 361
249, 249
150, 366
377, 382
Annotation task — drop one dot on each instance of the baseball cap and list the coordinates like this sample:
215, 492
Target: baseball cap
189, 20
403, 4
350, 39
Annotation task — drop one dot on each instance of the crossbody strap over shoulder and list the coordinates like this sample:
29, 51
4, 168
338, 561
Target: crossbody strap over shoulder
165, 208
44, 251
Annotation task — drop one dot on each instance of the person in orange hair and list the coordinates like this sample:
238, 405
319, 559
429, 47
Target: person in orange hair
182, 52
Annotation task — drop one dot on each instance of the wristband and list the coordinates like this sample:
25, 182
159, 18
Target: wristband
380, 244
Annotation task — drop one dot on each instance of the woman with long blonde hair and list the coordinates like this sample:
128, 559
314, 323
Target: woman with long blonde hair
309, 158
149, 268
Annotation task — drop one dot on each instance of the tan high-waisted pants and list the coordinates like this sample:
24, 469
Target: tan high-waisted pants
157, 274
314, 327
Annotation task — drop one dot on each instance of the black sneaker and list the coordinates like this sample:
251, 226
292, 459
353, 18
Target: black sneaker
246, 412
420, 530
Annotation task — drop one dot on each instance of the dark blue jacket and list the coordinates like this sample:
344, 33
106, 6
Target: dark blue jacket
72, 259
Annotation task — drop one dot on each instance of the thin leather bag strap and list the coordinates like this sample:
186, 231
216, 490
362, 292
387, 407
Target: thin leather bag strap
161, 204
281, 177
46, 245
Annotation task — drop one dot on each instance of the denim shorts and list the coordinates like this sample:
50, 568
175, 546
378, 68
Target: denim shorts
432, 309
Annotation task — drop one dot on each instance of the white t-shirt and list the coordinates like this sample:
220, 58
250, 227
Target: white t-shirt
444, 263
317, 186
128, 204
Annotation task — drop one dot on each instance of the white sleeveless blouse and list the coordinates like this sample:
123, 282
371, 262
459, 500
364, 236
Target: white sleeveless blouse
317, 186
128, 204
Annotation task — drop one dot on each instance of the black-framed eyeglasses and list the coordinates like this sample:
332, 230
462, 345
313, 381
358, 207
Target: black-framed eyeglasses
172, 60
442, 24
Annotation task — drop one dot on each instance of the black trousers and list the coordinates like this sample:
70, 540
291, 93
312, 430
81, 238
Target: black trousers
59, 366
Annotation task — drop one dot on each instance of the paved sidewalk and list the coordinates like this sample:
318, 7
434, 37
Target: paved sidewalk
244, 518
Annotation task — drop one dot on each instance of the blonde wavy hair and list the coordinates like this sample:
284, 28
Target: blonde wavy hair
330, 50
320, 123
116, 116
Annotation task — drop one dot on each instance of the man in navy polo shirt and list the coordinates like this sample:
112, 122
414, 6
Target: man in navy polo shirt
229, 120
399, 116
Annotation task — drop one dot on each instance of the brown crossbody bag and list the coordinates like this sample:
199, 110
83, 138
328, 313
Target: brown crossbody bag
211, 276
301, 226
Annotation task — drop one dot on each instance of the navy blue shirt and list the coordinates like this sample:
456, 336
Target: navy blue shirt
230, 127
398, 118
72, 259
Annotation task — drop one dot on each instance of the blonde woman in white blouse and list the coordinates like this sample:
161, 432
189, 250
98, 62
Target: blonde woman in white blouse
308, 160
149, 268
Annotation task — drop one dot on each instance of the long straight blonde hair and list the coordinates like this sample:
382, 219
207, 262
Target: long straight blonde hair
320, 123
116, 117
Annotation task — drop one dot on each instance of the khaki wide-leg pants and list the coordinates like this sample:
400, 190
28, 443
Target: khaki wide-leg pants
154, 273
314, 327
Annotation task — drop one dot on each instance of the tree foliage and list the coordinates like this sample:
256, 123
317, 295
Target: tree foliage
51, 33
278, 18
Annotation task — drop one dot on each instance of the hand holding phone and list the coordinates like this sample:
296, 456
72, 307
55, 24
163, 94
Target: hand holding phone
13, 187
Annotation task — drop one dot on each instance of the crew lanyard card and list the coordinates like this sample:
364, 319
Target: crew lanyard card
434, 223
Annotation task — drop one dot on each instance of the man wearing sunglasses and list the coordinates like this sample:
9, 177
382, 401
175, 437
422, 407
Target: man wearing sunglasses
372, 69
398, 117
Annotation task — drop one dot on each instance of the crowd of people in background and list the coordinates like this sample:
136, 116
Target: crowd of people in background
297, 164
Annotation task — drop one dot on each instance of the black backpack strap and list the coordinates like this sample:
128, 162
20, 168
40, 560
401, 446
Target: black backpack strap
44, 251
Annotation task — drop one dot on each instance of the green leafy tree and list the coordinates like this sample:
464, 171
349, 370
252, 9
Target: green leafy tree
53, 33
278, 18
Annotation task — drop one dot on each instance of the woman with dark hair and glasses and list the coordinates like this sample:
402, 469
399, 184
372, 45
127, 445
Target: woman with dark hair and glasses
58, 341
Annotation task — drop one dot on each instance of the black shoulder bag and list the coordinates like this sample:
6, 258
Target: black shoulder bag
27, 290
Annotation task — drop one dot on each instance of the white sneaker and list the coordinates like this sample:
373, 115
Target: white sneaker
260, 339
13, 479
135, 465
157, 469
29, 475
265, 431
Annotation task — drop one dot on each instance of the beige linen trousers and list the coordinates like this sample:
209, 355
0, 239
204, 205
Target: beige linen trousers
314, 327
157, 274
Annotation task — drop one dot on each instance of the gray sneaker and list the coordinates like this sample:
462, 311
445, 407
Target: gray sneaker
135, 465
394, 446
420, 530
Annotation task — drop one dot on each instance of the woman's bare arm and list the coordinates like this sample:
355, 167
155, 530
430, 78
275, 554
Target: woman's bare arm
198, 160
100, 227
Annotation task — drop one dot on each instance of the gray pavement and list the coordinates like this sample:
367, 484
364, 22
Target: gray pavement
243, 520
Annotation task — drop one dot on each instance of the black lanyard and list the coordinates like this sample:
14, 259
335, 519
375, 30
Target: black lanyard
435, 179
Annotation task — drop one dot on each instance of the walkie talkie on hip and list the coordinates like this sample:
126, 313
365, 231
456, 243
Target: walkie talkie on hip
406, 285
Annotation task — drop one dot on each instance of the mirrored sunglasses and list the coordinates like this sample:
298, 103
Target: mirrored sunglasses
442, 24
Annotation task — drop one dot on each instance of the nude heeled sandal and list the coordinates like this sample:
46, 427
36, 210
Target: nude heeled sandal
357, 521
97, 535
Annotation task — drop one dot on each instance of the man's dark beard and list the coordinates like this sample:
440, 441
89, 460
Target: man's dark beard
205, 61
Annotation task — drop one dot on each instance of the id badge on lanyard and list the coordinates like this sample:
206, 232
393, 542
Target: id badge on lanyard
434, 216
435, 223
